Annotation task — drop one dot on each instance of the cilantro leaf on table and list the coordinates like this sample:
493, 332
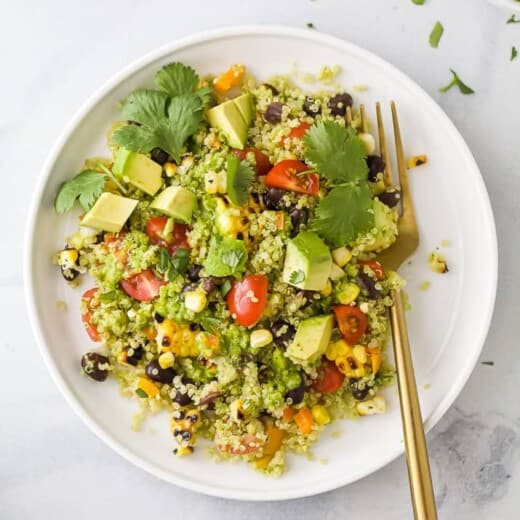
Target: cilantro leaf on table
344, 213
514, 53
436, 34
339, 155
166, 117
456, 81
86, 187
512, 19
239, 179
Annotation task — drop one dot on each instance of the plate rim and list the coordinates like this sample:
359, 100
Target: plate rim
75, 121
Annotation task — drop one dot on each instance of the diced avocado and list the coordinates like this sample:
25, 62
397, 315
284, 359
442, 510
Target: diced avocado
176, 202
233, 118
311, 339
385, 223
139, 170
109, 213
307, 262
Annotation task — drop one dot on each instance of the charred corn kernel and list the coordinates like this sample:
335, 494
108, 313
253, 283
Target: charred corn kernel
211, 183
186, 164
336, 350
122, 358
237, 410
368, 142
170, 169
341, 256
336, 273
68, 258
222, 182
166, 360
275, 437
327, 290
373, 406
260, 338
182, 451
359, 353
416, 160
147, 386
196, 300
437, 263
320, 414
348, 366
166, 334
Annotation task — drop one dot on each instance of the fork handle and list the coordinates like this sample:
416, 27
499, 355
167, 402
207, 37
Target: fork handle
421, 488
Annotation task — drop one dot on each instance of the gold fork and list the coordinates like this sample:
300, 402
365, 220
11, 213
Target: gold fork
423, 498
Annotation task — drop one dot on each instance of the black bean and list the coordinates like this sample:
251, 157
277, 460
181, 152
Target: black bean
310, 107
307, 296
182, 398
375, 165
338, 104
359, 389
390, 198
209, 283
95, 366
158, 318
369, 285
133, 355
299, 218
273, 198
69, 274
209, 398
159, 156
283, 333
273, 113
100, 237
162, 375
194, 273
270, 87
297, 394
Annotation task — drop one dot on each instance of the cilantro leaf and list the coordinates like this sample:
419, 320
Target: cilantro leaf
297, 277
436, 34
456, 81
226, 257
232, 258
512, 19
226, 287
337, 152
173, 266
514, 53
177, 79
86, 187
344, 213
239, 179
211, 325
180, 260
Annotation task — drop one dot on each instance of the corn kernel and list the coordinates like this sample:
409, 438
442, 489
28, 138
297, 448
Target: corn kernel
348, 294
166, 360
374, 406
368, 142
320, 414
68, 258
341, 256
211, 183
149, 388
121, 358
416, 160
260, 338
359, 353
336, 273
336, 350
182, 451
196, 300
437, 263
237, 411
170, 169
222, 182
327, 290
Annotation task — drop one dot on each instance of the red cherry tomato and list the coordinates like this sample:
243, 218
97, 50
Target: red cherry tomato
285, 175
87, 318
375, 266
262, 162
179, 236
329, 378
144, 286
352, 322
297, 132
247, 298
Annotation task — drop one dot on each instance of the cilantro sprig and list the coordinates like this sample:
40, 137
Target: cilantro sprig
297, 277
339, 156
436, 34
171, 266
166, 117
456, 81
239, 177
514, 53
85, 187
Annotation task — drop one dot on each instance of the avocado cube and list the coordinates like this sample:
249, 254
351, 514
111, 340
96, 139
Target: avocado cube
139, 170
109, 213
233, 118
176, 202
307, 262
311, 339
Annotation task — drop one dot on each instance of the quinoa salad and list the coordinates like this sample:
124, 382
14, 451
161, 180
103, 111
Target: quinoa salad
227, 259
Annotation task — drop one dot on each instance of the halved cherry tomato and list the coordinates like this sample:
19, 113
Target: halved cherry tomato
351, 321
87, 318
285, 175
247, 298
144, 286
248, 444
179, 236
329, 378
263, 164
375, 266
297, 132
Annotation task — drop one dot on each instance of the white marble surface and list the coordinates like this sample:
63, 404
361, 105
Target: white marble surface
55, 53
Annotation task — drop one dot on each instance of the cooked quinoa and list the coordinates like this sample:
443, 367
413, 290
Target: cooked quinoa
180, 339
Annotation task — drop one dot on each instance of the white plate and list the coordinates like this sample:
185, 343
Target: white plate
447, 324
